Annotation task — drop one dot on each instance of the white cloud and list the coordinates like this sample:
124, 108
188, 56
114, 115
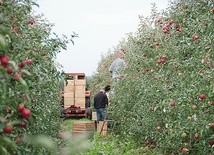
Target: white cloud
100, 25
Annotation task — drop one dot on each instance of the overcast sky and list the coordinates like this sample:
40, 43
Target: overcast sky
100, 24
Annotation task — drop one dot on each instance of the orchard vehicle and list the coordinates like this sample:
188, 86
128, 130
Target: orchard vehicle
75, 96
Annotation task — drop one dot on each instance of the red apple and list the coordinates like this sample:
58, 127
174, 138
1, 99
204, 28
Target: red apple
15, 30
26, 113
27, 62
17, 76
202, 96
179, 29
17, 139
162, 60
4, 60
9, 70
159, 61
212, 10
8, 129
164, 57
196, 136
21, 65
211, 142
31, 22
172, 104
165, 30
195, 37
21, 108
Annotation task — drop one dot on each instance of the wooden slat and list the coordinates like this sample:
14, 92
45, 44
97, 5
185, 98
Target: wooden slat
102, 128
80, 102
94, 116
70, 94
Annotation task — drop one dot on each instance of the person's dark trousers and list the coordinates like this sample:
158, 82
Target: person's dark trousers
101, 113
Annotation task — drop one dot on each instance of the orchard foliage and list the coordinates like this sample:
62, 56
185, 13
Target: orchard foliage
166, 98
29, 79
102, 77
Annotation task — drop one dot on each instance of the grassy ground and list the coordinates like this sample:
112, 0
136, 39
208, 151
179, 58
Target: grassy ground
74, 144
100, 145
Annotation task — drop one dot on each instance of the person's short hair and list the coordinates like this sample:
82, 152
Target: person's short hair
107, 88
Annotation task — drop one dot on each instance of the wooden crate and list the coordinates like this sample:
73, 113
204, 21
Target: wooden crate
68, 89
80, 94
94, 116
68, 101
80, 88
102, 127
80, 91
83, 127
81, 82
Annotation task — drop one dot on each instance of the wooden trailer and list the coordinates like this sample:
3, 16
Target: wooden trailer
75, 95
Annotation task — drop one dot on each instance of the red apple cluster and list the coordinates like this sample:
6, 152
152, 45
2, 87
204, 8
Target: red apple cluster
25, 62
167, 26
4, 62
31, 22
24, 111
162, 59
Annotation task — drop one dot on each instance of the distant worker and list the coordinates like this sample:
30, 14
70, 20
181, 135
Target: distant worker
100, 104
117, 65
88, 104
107, 89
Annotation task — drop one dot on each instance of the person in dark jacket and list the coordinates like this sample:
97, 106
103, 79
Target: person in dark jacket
100, 104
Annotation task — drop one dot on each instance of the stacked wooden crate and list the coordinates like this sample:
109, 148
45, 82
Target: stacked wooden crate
80, 83
69, 94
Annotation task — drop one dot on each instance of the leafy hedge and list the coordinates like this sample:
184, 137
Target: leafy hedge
29, 79
166, 98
